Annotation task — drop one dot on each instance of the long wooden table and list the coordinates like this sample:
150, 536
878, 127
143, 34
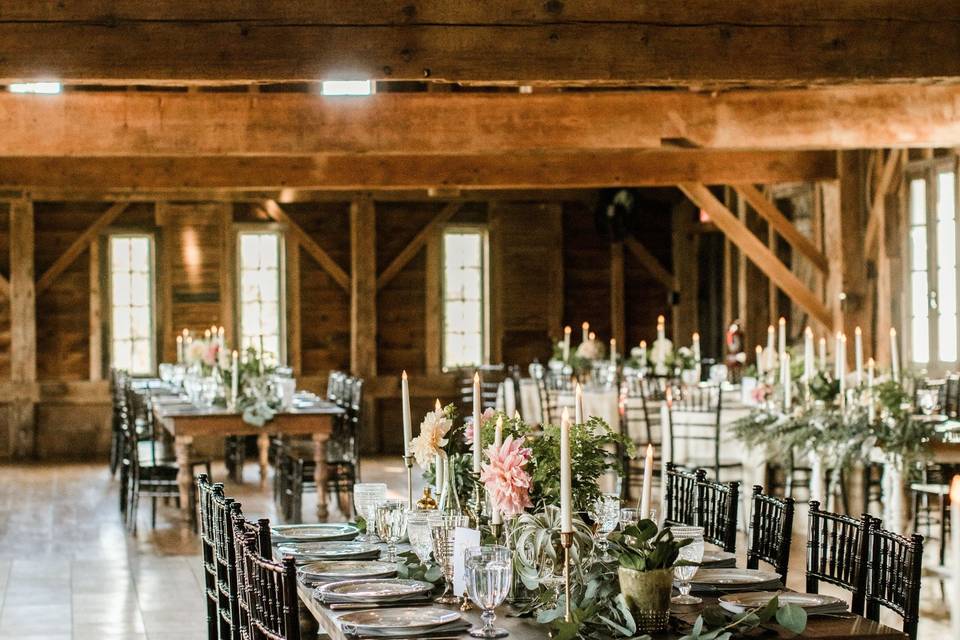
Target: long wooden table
186, 423
821, 628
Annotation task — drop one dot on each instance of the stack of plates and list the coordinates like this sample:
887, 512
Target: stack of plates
304, 552
813, 603
373, 591
313, 532
717, 559
327, 571
419, 622
735, 580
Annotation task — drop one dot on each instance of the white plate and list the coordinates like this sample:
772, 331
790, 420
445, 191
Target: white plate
411, 619
343, 569
328, 550
733, 576
310, 532
373, 589
739, 602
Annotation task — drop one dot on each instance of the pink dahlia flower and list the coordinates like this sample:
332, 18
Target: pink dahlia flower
485, 417
505, 477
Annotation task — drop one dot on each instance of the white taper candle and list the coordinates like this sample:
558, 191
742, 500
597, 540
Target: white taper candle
476, 422
566, 484
405, 405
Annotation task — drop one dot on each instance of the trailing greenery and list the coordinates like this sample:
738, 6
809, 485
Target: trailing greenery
715, 623
642, 547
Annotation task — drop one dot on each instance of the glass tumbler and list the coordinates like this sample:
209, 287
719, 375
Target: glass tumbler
366, 497
606, 516
488, 572
418, 530
443, 531
391, 525
692, 553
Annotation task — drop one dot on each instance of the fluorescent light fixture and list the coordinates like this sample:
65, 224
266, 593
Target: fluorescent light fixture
35, 87
346, 87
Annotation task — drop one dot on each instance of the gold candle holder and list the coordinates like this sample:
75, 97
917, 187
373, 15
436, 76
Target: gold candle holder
566, 541
496, 529
408, 461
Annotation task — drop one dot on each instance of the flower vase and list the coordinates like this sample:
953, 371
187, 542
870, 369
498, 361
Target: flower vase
449, 501
648, 596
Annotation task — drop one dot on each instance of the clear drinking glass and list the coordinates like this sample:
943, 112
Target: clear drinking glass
443, 531
488, 572
366, 497
418, 530
391, 525
693, 553
629, 516
606, 515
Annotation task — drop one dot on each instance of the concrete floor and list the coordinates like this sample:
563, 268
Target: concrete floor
69, 571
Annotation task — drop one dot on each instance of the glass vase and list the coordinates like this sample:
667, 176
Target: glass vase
449, 501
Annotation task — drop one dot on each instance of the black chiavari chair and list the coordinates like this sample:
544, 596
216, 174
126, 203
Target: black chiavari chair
205, 493
641, 423
269, 591
716, 511
118, 384
680, 497
491, 376
894, 565
246, 532
837, 553
695, 420
951, 396
772, 532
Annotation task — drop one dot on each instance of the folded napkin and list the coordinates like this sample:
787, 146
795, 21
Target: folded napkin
725, 563
772, 585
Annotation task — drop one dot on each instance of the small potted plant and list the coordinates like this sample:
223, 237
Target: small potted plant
646, 558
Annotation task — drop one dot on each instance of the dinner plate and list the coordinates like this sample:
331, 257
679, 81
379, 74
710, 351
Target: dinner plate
374, 589
329, 550
812, 602
716, 556
409, 620
343, 569
311, 532
733, 576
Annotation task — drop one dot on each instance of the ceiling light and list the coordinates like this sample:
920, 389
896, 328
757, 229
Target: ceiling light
346, 87
35, 87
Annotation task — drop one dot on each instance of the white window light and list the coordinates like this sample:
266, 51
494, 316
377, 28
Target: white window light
35, 87
346, 87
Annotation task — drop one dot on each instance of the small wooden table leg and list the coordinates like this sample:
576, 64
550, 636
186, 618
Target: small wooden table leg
263, 446
182, 446
320, 458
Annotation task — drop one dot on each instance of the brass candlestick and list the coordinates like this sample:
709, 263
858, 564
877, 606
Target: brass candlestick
408, 461
496, 528
566, 541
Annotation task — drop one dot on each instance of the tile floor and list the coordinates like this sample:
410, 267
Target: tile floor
69, 571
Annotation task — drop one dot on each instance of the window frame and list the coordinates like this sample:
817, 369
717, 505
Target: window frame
107, 280
928, 171
485, 303
279, 231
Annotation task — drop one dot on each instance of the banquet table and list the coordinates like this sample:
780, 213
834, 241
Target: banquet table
820, 627
186, 421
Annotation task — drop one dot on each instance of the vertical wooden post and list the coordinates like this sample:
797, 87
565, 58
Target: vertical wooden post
165, 284
685, 269
363, 307
228, 270
618, 319
742, 289
497, 260
96, 317
729, 291
294, 334
432, 337
23, 330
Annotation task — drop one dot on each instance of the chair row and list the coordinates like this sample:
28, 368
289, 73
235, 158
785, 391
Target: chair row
294, 464
249, 595
880, 568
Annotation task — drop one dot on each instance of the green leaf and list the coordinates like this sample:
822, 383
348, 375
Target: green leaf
792, 618
769, 610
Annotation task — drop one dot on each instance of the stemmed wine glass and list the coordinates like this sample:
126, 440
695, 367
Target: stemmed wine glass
418, 530
692, 553
488, 572
606, 515
391, 525
443, 531
629, 516
366, 497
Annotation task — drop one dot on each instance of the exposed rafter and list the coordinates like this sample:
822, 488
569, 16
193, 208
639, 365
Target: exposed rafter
418, 242
275, 211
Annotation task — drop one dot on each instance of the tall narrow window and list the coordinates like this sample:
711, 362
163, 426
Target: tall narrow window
261, 292
464, 297
131, 303
934, 330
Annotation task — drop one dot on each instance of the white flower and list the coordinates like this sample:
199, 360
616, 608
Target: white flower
660, 352
432, 438
590, 350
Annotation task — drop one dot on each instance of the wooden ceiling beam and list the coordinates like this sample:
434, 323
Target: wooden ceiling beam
658, 42
418, 242
651, 264
179, 124
779, 273
276, 212
559, 170
80, 245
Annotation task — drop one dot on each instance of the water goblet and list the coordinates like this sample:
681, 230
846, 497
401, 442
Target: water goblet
606, 515
692, 553
488, 573
418, 530
366, 497
629, 516
443, 531
391, 525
